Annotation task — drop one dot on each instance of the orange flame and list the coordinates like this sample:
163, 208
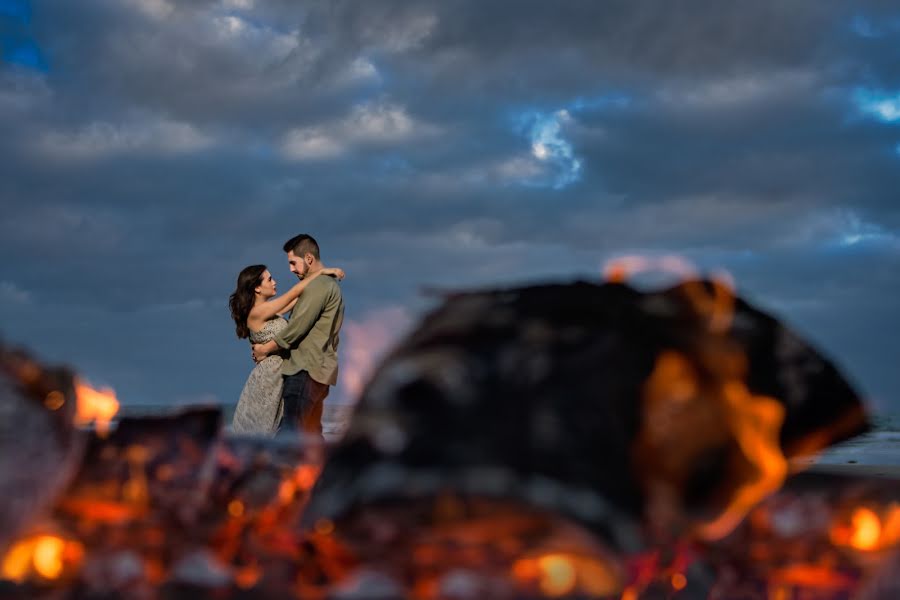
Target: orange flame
48, 556
685, 416
558, 574
866, 529
869, 530
95, 406
808, 576
756, 423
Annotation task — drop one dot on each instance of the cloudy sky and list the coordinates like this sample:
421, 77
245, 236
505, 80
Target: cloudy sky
150, 149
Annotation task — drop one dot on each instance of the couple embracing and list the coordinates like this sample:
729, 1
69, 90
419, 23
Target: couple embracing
296, 358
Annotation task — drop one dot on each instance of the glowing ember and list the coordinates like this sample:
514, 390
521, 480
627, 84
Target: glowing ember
324, 527
48, 557
17, 561
247, 577
236, 508
869, 529
54, 400
559, 574
866, 529
45, 555
95, 406
809, 576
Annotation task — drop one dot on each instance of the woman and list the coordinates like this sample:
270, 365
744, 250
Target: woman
256, 313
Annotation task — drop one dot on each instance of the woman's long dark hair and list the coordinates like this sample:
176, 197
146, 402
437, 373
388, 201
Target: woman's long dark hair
241, 301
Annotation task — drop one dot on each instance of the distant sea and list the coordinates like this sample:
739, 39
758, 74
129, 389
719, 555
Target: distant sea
881, 446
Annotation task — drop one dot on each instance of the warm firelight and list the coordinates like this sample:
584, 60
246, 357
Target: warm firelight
95, 406
755, 422
674, 392
302, 480
44, 555
620, 269
679, 403
559, 574
716, 304
866, 529
869, 529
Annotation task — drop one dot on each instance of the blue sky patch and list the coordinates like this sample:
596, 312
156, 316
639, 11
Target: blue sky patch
25, 54
544, 131
18, 10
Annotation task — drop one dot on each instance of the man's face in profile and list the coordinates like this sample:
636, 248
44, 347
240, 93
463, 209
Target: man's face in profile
298, 265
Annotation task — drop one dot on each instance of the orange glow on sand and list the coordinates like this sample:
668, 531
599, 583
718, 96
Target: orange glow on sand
95, 406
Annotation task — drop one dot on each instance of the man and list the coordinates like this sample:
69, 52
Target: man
311, 336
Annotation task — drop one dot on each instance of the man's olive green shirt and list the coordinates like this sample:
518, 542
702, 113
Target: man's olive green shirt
311, 334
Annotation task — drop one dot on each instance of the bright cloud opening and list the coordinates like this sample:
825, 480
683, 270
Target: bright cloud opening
549, 146
884, 107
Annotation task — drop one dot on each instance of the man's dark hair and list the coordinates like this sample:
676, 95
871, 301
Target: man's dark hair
301, 244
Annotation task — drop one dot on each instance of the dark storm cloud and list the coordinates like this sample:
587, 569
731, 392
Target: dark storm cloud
156, 147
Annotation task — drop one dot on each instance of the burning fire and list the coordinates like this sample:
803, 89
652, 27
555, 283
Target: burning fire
679, 402
869, 529
755, 422
95, 406
678, 405
559, 574
47, 556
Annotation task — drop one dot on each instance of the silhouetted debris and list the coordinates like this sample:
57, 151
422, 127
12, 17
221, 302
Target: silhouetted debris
567, 441
39, 444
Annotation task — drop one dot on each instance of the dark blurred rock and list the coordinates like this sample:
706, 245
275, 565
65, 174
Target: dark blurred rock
540, 394
159, 466
39, 445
